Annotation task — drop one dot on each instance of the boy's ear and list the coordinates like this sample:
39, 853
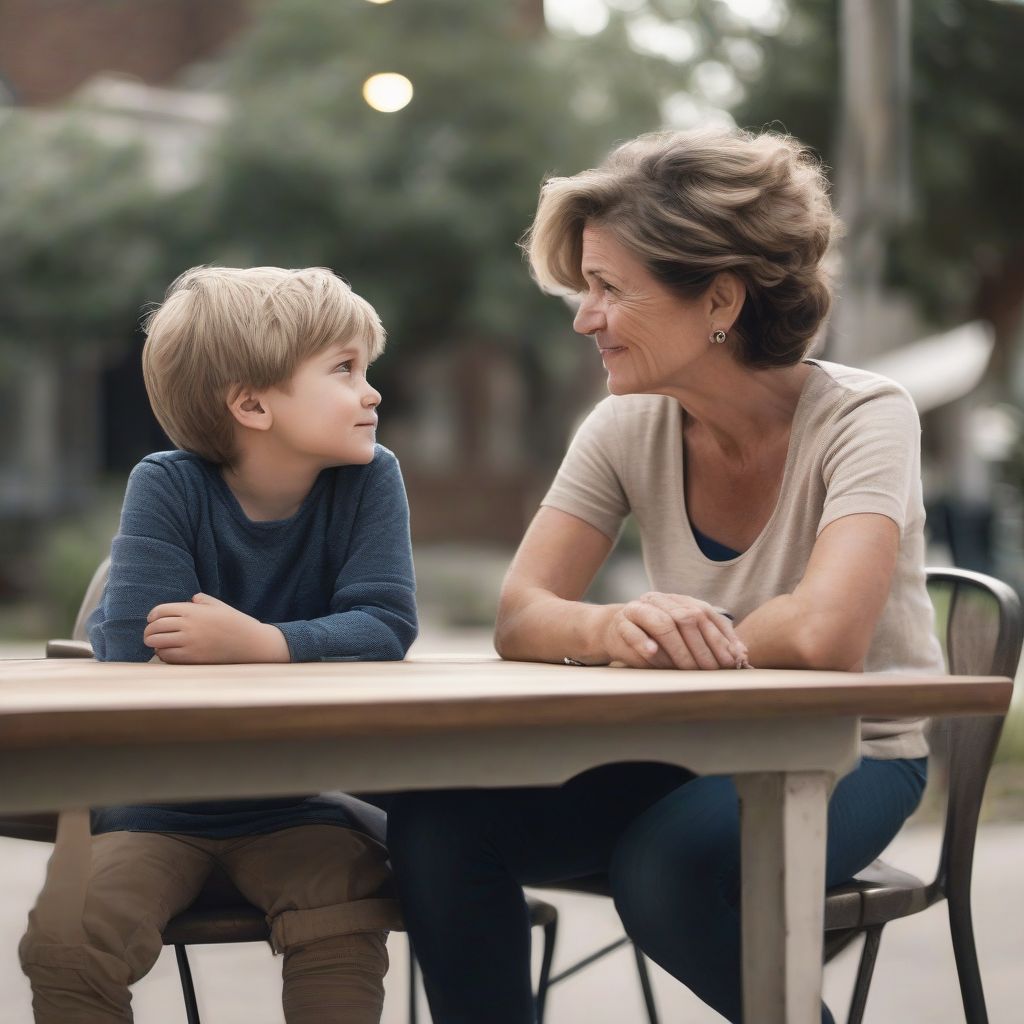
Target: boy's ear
249, 409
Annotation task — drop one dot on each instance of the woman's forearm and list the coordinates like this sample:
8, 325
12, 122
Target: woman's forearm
538, 626
786, 633
828, 622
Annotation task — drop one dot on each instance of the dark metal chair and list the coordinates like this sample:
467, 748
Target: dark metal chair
979, 624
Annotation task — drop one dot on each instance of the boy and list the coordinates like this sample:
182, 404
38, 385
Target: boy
278, 532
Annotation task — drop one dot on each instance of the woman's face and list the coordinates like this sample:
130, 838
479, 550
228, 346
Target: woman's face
647, 335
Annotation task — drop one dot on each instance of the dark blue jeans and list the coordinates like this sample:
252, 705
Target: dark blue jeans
668, 840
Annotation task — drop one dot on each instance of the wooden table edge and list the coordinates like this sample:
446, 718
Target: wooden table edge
38, 728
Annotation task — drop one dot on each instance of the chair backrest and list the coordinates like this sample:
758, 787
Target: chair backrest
980, 626
93, 595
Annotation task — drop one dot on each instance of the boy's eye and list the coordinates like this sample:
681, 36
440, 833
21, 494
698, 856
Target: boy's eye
345, 367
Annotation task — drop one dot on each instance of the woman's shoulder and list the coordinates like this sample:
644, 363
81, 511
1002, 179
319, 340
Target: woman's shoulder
854, 409
616, 425
854, 384
844, 397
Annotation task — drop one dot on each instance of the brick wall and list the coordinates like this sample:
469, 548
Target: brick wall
50, 47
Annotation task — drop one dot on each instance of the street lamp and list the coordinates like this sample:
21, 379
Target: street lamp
387, 92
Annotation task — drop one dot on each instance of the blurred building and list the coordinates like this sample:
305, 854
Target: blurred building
125, 69
49, 48
114, 57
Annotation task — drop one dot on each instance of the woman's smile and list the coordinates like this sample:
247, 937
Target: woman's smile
610, 351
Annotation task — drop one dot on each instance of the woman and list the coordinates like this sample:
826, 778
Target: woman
779, 503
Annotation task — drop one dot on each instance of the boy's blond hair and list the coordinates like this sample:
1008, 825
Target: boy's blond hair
222, 327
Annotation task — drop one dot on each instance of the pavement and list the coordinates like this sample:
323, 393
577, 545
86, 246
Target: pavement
915, 979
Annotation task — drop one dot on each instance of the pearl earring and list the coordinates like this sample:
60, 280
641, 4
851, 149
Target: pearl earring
717, 337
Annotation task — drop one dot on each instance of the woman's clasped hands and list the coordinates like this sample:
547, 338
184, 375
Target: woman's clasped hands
673, 631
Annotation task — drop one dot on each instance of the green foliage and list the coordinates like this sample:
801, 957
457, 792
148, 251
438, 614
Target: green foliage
77, 246
420, 209
967, 147
70, 553
1011, 743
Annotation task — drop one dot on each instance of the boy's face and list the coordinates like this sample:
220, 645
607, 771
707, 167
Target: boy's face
329, 410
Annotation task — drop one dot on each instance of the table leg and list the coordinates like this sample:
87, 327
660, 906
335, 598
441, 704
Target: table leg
783, 831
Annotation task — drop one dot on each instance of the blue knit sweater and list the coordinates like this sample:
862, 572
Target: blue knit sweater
336, 578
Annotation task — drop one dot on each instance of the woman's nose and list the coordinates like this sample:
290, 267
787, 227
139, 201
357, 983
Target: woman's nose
589, 319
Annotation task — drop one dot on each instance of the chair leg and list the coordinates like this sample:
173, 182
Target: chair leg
550, 935
412, 984
645, 984
962, 932
872, 937
187, 988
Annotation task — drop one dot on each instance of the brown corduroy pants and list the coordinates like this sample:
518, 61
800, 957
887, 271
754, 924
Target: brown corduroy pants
325, 890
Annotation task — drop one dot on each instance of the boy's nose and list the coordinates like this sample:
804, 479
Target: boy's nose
372, 398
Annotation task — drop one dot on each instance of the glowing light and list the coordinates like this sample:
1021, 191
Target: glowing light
387, 92
379, 1
766, 15
581, 17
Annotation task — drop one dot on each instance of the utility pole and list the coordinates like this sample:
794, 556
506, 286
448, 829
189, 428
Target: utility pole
873, 168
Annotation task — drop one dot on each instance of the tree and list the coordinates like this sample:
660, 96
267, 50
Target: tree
420, 209
79, 249
962, 253
79, 253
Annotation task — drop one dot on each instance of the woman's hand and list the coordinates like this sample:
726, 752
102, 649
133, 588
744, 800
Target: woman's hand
673, 631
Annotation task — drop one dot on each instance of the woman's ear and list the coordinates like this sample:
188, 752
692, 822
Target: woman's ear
725, 299
249, 408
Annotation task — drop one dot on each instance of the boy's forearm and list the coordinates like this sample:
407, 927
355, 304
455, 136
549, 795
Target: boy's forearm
271, 646
360, 634
120, 642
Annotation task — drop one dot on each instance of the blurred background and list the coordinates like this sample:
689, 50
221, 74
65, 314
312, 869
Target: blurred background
402, 144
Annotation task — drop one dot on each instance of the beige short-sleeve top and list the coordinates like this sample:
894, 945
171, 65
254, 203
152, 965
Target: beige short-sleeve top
854, 447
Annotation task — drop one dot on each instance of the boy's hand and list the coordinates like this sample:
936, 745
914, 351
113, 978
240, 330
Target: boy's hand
205, 631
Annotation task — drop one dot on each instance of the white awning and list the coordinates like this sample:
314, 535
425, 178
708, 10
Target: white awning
942, 368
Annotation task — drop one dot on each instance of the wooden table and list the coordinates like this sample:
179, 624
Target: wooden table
75, 734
